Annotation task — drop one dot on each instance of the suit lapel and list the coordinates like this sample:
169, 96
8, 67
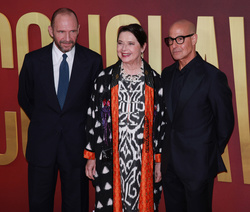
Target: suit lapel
48, 77
168, 83
77, 75
193, 80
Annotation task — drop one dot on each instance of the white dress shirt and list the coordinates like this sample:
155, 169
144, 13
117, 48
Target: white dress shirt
57, 59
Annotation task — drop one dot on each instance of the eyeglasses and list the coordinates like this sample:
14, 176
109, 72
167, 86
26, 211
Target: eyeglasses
179, 39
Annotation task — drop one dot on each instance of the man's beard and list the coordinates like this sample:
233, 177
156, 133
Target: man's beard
62, 49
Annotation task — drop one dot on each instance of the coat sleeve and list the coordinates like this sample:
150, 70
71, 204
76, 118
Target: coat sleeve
89, 152
25, 90
159, 121
221, 101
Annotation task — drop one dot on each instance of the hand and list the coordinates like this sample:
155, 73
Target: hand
90, 169
157, 172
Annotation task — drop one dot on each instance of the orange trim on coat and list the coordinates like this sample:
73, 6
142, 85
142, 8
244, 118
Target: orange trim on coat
89, 155
117, 202
157, 158
146, 201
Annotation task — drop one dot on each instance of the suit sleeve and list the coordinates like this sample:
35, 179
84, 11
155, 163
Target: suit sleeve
98, 67
25, 90
221, 101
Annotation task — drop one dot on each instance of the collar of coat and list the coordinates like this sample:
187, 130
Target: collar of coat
148, 71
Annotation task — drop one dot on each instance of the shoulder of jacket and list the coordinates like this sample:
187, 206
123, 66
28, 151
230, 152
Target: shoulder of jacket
84, 49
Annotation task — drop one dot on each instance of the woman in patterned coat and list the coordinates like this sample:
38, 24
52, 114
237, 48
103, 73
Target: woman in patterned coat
125, 128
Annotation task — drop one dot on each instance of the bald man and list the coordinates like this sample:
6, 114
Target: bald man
199, 104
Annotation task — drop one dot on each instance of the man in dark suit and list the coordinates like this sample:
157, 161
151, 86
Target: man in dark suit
54, 90
199, 104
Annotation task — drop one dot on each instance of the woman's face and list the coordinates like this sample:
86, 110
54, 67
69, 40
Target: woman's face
129, 49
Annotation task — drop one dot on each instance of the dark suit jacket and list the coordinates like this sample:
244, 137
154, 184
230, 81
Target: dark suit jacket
202, 123
50, 125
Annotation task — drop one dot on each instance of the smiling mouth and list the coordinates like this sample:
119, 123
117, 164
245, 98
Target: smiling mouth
125, 54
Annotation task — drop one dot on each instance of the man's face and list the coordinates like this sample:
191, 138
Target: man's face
64, 31
182, 52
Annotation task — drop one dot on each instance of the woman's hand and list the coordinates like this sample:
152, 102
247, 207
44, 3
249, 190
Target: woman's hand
90, 169
157, 172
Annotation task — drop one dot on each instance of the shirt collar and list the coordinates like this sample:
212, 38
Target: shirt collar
189, 66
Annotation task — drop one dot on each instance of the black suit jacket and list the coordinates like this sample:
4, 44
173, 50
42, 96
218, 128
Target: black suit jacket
49, 124
201, 124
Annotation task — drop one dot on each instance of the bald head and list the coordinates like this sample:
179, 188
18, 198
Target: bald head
184, 25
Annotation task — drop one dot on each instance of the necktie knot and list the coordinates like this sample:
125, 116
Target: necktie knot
64, 56
63, 81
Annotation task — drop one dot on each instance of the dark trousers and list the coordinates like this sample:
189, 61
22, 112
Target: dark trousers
181, 197
74, 186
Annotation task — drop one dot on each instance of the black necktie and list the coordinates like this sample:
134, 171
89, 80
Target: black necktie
63, 81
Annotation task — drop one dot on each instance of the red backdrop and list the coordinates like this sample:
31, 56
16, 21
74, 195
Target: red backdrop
228, 196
